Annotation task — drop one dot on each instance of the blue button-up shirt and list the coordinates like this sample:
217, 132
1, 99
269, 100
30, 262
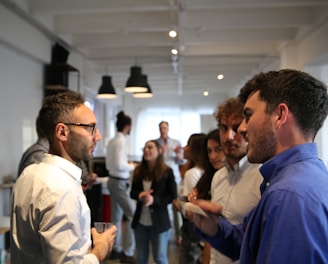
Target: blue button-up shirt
290, 223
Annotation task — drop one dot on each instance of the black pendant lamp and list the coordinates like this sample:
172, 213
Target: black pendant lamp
106, 90
136, 83
148, 93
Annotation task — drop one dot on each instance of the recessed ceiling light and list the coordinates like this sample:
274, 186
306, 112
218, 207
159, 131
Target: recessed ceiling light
174, 51
205, 93
220, 76
173, 33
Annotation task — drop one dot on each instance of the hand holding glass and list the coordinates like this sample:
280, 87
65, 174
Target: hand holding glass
102, 226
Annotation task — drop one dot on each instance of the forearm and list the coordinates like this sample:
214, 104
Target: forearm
227, 240
100, 250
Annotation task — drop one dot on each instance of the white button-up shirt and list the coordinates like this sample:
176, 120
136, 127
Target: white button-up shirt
117, 157
238, 191
50, 220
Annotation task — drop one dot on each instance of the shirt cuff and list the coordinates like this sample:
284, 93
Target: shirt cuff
91, 258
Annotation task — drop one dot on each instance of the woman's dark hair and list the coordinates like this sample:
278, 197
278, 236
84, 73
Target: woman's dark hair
142, 171
203, 185
122, 121
197, 152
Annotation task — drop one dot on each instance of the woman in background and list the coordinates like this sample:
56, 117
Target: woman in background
215, 157
153, 187
195, 153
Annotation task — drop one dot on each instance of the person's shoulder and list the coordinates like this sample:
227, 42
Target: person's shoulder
191, 171
174, 140
119, 137
222, 171
168, 170
252, 169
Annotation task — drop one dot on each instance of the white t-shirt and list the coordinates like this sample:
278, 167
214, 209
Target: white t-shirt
190, 179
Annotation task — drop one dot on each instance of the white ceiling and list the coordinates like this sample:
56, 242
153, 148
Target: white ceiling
231, 37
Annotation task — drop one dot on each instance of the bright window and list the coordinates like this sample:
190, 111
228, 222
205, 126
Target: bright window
181, 125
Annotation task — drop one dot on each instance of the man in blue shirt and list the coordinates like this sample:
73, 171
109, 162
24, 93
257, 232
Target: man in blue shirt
283, 112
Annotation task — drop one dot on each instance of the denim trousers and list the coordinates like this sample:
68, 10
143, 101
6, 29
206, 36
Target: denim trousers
146, 237
121, 203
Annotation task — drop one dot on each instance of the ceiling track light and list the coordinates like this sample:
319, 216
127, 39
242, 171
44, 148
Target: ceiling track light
147, 94
136, 83
173, 33
106, 90
220, 77
174, 51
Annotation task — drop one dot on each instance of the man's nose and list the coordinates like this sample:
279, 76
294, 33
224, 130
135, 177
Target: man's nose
98, 135
242, 129
231, 133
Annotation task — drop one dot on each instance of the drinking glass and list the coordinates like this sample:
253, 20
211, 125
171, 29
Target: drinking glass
102, 226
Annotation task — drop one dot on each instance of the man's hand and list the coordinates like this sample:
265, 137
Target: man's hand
176, 205
103, 242
207, 224
179, 152
89, 180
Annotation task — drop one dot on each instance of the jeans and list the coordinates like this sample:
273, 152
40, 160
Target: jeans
159, 242
121, 203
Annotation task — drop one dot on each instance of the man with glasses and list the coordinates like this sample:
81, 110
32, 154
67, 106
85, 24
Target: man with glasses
50, 221
35, 154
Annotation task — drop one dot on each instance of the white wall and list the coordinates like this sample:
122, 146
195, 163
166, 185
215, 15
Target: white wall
22, 50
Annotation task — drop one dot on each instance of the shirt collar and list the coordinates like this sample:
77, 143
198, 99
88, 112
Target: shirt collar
69, 167
237, 166
273, 166
120, 134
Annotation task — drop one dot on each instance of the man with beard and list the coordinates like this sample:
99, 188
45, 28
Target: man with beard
236, 186
50, 219
119, 188
282, 114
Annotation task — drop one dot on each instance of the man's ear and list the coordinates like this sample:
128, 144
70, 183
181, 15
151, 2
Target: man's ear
61, 131
281, 112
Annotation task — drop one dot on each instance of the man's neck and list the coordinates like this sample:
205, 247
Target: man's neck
123, 132
232, 163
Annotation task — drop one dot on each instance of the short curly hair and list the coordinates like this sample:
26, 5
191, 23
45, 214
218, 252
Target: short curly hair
230, 107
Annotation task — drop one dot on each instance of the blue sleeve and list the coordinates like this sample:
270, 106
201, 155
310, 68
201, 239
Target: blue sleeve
292, 230
228, 239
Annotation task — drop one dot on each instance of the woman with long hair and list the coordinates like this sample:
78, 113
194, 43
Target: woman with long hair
215, 157
153, 187
195, 153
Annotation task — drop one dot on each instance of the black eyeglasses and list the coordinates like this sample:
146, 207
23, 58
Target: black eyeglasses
91, 127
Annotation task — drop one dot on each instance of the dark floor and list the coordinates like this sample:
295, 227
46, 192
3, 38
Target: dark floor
173, 254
